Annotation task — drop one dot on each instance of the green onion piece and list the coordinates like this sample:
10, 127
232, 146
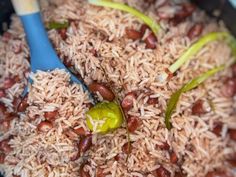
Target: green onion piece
171, 105
232, 43
115, 5
197, 46
57, 25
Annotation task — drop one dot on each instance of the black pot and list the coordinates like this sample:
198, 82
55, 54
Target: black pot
6, 10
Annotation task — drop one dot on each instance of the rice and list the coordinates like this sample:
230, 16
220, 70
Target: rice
130, 67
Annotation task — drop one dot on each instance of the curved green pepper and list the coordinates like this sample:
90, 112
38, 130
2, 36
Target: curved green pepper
103, 117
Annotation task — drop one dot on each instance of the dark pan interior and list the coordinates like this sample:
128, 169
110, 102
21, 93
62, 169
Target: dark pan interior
6, 10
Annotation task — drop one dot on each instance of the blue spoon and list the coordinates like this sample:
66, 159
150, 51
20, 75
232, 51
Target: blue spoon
43, 55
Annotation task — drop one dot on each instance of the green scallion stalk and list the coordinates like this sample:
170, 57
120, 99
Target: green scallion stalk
171, 105
115, 5
196, 47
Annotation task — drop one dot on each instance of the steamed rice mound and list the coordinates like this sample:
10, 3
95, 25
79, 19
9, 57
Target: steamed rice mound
96, 40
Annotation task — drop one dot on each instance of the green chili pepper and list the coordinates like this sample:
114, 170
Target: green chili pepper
104, 117
57, 25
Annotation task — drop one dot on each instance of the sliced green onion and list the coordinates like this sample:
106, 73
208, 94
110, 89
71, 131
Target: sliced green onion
196, 47
171, 105
115, 5
232, 43
57, 25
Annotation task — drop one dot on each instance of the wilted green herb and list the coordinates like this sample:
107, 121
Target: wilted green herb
171, 105
115, 5
57, 25
197, 46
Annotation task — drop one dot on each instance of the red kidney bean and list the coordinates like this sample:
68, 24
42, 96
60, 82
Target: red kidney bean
44, 126
28, 58
163, 3
94, 52
170, 74
23, 104
52, 115
82, 172
67, 62
126, 148
118, 157
218, 174
178, 174
217, 129
133, 34
2, 93
195, 30
151, 41
16, 79
6, 36
164, 146
198, 108
128, 101
89, 105
162, 172
150, 1
188, 7
234, 70
78, 75
80, 131
143, 29
5, 147
232, 134
85, 143
163, 15
75, 154
232, 160
2, 157
8, 82
104, 91
16, 101
152, 101
100, 173
173, 157
229, 87
71, 134
17, 49
62, 33
3, 110
5, 125
133, 124
185, 11
10, 115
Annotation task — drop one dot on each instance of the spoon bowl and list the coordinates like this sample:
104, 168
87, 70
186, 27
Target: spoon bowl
43, 56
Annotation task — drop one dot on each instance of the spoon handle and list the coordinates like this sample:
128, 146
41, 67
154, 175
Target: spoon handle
25, 7
42, 54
